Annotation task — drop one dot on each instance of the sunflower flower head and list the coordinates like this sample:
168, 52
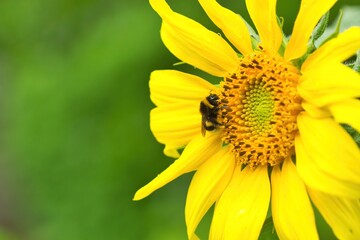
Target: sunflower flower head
272, 124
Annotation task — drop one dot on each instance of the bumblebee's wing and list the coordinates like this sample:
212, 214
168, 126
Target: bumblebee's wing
204, 112
203, 130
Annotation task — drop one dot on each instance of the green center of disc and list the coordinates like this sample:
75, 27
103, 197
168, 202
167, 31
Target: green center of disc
259, 107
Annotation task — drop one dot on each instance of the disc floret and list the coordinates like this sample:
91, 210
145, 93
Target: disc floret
259, 106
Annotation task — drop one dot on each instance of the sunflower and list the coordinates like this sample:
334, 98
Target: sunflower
272, 124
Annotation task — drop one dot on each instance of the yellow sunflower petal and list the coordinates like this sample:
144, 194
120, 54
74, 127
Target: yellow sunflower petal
242, 208
193, 43
342, 214
338, 49
263, 15
194, 237
171, 151
309, 14
315, 177
170, 86
314, 111
291, 208
196, 152
334, 149
208, 183
282, 228
176, 124
347, 112
327, 158
230, 23
328, 83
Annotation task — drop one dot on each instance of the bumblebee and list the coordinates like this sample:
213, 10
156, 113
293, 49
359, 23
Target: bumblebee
209, 109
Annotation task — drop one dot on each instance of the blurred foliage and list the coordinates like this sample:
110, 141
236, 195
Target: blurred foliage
75, 142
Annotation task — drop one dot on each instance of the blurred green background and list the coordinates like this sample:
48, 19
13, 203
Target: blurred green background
75, 141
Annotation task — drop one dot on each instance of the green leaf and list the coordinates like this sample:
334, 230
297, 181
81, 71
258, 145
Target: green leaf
321, 26
336, 29
348, 16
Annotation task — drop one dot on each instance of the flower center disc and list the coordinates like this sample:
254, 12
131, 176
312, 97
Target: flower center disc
259, 105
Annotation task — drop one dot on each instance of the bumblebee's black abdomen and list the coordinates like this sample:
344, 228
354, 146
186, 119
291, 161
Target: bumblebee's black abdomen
209, 110
209, 127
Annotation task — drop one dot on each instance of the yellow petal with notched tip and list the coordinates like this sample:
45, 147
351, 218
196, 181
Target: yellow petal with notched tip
171, 151
342, 214
196, 152
193, 43
347, 111
338, 49
171, 86
263, 15
329, 83
241, 209
292, 213
230, 23
207, 185
309, 14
